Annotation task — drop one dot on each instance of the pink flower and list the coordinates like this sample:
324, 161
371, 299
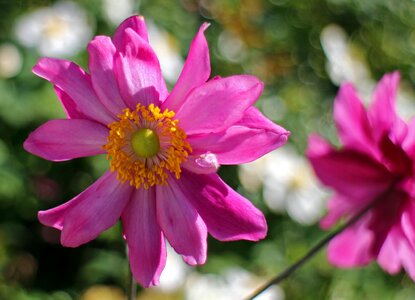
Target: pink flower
376, 162
163, 149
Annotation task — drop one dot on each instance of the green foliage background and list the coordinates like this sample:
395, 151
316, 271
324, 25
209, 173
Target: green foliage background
282, 46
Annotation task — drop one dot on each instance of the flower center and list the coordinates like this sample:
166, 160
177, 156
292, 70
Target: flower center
55, 27
145, 146
145, 142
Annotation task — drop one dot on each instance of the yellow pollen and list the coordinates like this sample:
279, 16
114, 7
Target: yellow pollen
145, 146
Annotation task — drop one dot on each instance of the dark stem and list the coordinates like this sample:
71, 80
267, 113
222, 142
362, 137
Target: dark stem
132, 284
313, 251
132, 289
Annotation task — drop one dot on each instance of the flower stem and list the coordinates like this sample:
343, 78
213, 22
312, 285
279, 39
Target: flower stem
132, 284
132, 293
313, 251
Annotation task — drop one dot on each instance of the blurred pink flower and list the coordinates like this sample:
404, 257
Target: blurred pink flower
163, 148
376, 161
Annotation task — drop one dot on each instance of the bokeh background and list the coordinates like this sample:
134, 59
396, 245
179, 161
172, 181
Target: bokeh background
301, 49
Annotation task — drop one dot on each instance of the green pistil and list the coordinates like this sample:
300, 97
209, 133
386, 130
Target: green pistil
145, 142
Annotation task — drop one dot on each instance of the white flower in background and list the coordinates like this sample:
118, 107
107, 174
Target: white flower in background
117, 11
343, 64
288, 185
10, 60
167, 50
253, 174
175, 272
61, 30
405, 104
233, 284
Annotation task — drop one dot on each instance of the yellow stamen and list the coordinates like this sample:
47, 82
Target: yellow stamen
145, 145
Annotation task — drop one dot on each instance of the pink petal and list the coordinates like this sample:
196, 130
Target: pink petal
93, 211
218, 104
394, 157
55, 217
248, 139
382, 112
408, 221
70, 78
384, 216
138, 72
146, 246
388, 257
228, 215
181, 223
351, 120
59, 140
69, 105
350, 173
338, 207
407, 256
397, 251
399, 131
203, 164
99, 208
101, 65
136, 23
352, 247
196, 71
409, 143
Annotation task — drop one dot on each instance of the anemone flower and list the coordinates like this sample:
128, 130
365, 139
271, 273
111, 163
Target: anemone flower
163, 148
374, 169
